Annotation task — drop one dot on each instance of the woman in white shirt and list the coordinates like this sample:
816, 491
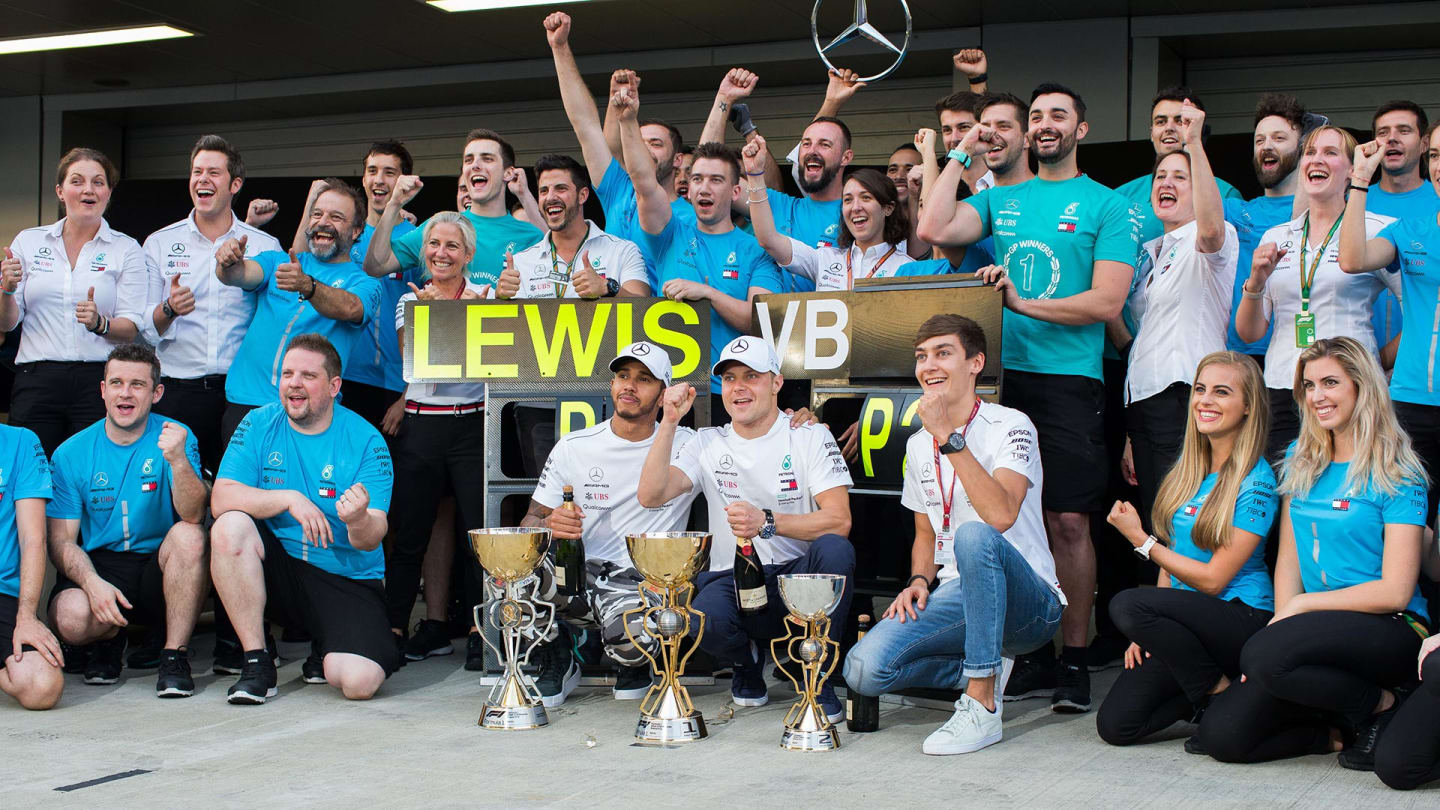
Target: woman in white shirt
1181, 301
79, 287
1296, 282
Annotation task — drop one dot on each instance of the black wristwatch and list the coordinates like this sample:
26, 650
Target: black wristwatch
768, 530
612, 288
167, 309
921, 577
954, 444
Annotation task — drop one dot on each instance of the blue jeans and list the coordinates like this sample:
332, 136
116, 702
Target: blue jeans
997, 605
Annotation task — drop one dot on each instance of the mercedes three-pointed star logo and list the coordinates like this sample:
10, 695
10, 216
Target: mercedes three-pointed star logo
860, 27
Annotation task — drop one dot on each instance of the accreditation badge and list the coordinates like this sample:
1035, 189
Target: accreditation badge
1304, 329
945, 548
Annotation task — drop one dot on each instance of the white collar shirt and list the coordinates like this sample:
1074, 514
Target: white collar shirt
112, 263
835, 268
205, 341
610, 257
465, 393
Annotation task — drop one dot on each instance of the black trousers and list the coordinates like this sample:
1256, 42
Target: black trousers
1306, 675
1284, 423
1408, 754
1117, 568
56, 400
231, 419
1156, 426
198, 404
1193, 639
435, 455
1422, 422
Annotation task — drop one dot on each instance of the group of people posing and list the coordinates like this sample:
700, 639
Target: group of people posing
1240, 348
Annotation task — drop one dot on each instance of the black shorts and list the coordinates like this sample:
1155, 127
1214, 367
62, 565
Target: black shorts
136, 575
343, 615
1069, 415
9, 607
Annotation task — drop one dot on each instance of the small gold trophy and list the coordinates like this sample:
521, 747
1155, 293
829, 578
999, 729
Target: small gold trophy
510, 555
669, 562
810, 598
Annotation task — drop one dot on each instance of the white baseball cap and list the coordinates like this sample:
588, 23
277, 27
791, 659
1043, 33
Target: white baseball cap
750, 351
650, 356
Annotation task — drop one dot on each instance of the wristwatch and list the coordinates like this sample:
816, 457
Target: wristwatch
961, 155
1143, 550
768, 530
612, 288
167, 309
954, 444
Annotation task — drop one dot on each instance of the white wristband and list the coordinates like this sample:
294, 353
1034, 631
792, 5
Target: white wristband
1144, 548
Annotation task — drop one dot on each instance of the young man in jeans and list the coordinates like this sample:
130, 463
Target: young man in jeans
972, 478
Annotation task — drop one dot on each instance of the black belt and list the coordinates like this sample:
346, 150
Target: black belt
210, 382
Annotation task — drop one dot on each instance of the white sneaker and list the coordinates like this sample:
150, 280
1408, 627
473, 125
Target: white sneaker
970, 728
1007, 665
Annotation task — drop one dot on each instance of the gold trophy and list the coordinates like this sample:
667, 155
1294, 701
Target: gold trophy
669, 562
810, 599
510, 556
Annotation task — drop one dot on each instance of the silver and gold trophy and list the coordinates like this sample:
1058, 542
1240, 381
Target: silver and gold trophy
810, 598
669, 562
510, 556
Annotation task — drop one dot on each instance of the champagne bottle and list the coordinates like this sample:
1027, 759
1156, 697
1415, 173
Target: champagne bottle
569, 555
862, 712
749, 577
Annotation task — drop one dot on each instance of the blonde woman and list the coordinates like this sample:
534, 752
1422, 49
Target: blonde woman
1211, 515
1296, 283
1349, 618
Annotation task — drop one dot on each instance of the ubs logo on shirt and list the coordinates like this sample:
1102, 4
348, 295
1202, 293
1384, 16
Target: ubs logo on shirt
1412, 258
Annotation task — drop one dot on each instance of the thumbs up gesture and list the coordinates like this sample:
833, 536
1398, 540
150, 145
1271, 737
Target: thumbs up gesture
587, 283
232, 251
289, 276
181, 298
508, 286
10, 272
86, 313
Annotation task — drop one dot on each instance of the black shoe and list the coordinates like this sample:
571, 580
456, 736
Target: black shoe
1360, 754
1105, 652
174, 679
230, 658
1194, 746
430, 638
106, 660
313, 670
147, 655
1032, 677
77, 657
631, 683
559, 670
474, 653
257, 680
1072, 690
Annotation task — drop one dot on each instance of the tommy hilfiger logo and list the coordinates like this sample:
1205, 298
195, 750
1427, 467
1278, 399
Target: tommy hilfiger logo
148, 486
1340, 505
327, 491
1191, 510
1066, 227
730, 272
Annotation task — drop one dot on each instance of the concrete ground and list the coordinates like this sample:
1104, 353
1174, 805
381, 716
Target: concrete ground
417, 744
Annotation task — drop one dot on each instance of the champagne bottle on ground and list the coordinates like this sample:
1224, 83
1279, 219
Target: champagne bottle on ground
862, 712
749, 577
569, 556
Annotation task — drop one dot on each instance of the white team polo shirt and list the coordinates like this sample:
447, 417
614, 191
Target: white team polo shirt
825, 265
781, 471
205, 341
112, 263
1342, 303
604, 471
610, 257
999, 438
443, 393
1182, 303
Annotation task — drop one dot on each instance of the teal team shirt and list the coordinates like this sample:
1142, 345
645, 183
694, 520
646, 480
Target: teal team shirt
1420, 203
1048, 235
731, 262
267, 453
1252, 218
494, 236
616, 193
119, 493
24, 473
280, 315
1340, 532
375, 357
1417, 366
1254, 512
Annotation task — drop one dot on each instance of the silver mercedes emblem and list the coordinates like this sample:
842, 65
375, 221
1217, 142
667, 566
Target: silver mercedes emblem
740, 345
596, 474
726, 462
640, 350
860, 27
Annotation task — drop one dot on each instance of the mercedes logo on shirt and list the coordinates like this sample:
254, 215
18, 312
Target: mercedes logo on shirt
275, 459
726, 462
177, 248
597, 474
102, 480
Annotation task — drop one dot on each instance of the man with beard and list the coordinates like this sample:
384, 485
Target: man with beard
300, 510
1279, 127
1400, 128
1067, 248
815, 217
602, 466
321, 290
575, 259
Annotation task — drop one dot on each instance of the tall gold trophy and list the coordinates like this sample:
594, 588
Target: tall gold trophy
510, 555
810, 598
669, 562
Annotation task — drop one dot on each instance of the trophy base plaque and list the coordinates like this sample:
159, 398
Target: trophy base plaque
825, 739
513, 718
661, 730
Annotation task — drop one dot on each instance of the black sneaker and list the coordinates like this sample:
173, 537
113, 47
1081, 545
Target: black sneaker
257, 680
1031, 677
107, 658
313, 670
559, 670
174, 679
147, 655
77, 657
1072, 690
474, 653
1360, 754
1194, 746
631, 683
1106, 652
431, 637
230, 658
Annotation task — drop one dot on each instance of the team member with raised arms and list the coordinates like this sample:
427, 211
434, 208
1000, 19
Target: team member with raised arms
124, 527
1211, 518
765, 478
79, 287
300, 505
1400, 127
1296, 283
981, 538
1349, 617
30, 656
